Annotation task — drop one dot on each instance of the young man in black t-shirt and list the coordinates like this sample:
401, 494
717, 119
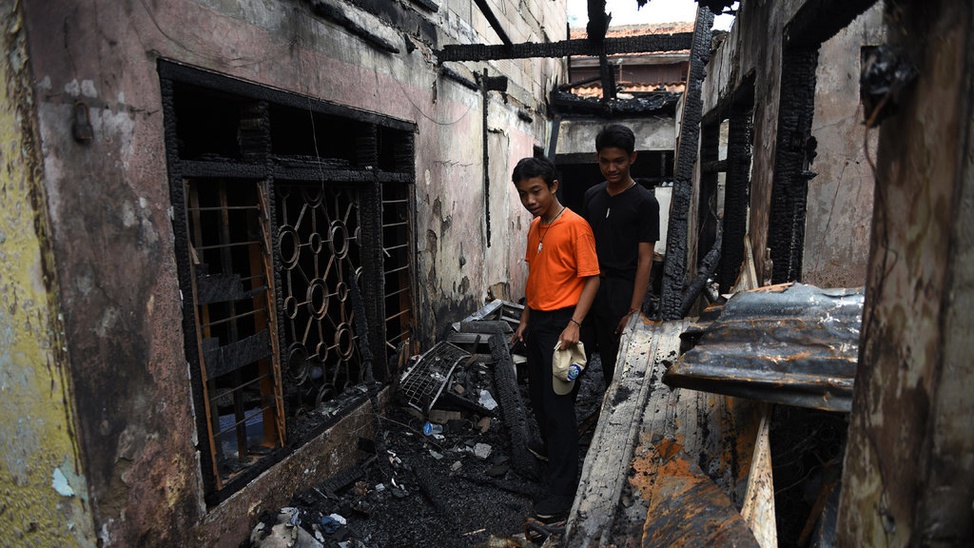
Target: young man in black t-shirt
624, 217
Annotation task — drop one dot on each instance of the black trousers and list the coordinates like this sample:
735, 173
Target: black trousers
555, 414
611, 303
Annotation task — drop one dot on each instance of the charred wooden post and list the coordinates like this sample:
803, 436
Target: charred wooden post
674, 269
737, 192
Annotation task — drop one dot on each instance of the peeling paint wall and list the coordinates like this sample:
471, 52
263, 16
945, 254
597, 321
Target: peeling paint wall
43, 489
109, 200
909, 466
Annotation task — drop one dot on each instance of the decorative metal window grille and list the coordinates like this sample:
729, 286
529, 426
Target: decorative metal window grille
294, 245
319, 238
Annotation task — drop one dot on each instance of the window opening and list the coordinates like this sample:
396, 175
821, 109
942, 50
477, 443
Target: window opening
318, 238
397, 272
231, 286
725, 184
294, 243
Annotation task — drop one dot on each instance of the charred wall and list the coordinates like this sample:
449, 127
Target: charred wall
806, 199
908, 477
111, 215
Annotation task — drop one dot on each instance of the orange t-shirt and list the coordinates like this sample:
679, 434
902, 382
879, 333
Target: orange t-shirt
560, 256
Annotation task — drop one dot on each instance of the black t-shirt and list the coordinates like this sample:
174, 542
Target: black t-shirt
620, 223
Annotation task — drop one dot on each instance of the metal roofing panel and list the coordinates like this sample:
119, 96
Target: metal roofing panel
793, 344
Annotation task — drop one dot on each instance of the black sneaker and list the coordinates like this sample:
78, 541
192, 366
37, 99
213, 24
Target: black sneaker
538, 450
553, 506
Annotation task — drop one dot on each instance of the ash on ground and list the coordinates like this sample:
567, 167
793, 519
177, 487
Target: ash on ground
455, 488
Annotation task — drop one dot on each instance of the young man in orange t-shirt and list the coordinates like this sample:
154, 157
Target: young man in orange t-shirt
563, 278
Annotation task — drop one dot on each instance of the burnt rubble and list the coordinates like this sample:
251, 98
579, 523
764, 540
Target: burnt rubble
448, 465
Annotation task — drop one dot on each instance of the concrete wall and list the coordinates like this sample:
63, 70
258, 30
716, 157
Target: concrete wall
840, 197
43, 489
909, 466
652, 133
112, 237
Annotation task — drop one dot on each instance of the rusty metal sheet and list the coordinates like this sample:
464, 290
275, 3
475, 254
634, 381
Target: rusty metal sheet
792, 343
686, 507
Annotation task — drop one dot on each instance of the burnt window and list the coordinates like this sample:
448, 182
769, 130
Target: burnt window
294, 243
726, 135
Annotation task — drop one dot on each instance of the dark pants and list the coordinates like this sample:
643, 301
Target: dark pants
611, 303
555, 414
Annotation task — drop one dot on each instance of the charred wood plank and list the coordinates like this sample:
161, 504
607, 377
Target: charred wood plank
513, 411
716, 166
221, 360
222, 288
810, 27
688, 509
706, 434
674, 270
485, 326
633, 44
494, 22
641, 353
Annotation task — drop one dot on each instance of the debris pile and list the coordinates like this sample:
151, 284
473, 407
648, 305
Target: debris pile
449, 464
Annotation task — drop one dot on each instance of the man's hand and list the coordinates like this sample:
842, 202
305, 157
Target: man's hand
518, 335
624, 320
569, 336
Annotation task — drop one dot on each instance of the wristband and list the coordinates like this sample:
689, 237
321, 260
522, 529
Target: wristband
574, 322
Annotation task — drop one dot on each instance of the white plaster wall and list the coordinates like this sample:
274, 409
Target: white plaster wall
652, 133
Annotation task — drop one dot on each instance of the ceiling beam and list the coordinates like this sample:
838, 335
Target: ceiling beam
632, 44
494, 22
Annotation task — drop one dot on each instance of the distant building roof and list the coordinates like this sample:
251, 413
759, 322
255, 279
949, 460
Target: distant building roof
623, 31
634, 88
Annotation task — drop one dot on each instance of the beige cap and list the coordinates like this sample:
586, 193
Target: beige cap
560, 362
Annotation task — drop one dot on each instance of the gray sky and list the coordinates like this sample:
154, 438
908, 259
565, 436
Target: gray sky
624, 12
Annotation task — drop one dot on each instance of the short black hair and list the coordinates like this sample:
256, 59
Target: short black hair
617, 136
529, 168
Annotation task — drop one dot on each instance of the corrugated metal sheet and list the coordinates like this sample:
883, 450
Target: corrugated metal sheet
793, 344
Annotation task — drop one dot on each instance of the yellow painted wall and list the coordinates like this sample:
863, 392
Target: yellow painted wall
43, 493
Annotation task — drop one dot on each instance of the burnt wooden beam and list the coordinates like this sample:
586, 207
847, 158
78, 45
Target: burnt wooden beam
607, 75
338, 16
716, 166
428, 5
644, 352
736, 191
494, 22
818, 20
631, 44
675, 267
221, 360
570, 85
789, 184
598, 21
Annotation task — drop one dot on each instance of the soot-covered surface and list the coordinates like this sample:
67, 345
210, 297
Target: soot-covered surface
457, 488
